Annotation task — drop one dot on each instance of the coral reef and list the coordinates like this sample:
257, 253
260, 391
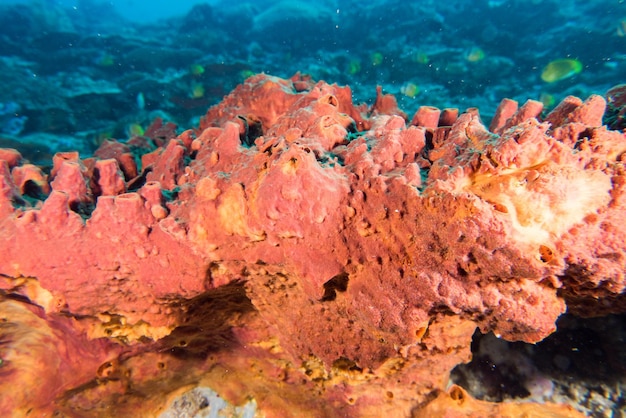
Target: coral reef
85, 74
10, 121
318, 257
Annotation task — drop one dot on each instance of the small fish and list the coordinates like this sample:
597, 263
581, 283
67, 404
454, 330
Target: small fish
106, 60
547, 99
141, 101
475, 54
134, 129
561, 69
621, 28
420, 58
100, 137
246, 74
196, 69
354, 67
197, 91
377, 58
410, 89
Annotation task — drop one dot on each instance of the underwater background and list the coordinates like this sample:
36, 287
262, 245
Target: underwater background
76, 72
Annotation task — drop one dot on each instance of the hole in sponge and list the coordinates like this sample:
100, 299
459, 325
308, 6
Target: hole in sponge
339, 283
330, 99
545, 254
457, 394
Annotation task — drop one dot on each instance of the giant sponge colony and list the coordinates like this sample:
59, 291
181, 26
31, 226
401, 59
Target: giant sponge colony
317, 257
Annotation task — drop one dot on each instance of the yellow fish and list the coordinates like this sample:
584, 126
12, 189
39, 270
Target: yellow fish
475, 54
410, 89
561, 69
134, 129
197, 91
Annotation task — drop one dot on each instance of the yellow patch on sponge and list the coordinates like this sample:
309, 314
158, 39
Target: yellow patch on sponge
117, 327
232, 213
31, 288
546, 201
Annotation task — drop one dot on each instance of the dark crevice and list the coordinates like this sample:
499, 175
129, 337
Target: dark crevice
428, 137
33, 190
138, 182
206, 321
583, 136
338, 283
84, 209
345, 364
252, 129
461, 271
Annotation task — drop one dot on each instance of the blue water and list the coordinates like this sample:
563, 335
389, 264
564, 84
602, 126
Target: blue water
133, 10
82, 70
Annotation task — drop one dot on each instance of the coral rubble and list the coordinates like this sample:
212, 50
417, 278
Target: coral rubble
319, 257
